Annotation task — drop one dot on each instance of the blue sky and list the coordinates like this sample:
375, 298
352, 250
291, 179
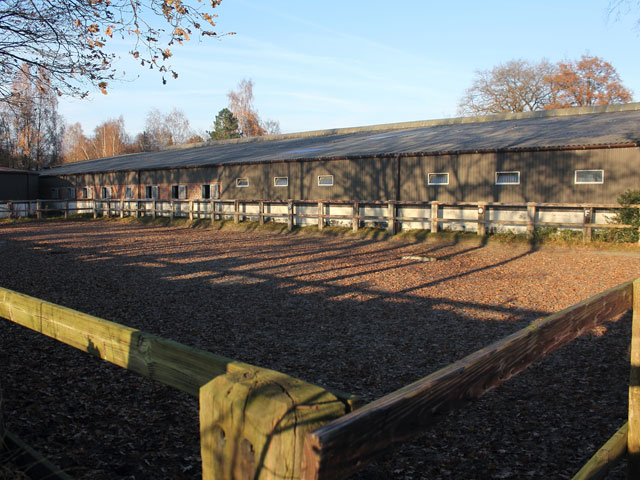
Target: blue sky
344, 63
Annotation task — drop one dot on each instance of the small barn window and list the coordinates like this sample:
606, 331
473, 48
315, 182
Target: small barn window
280, 181
325, 180
438, 179
210, 191
507, 178
105, 192
151, 191
178, 192
87, 193
242, 182
128, 193
589, 176
71, 193
55, 193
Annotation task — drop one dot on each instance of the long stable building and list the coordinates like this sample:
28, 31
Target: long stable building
577, 155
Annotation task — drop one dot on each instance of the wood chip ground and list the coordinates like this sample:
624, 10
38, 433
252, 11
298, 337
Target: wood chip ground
347, 313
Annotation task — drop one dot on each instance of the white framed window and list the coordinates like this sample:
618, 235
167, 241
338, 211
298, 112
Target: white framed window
280, 181
87, 193
588, 176
178, 192
55, 193
438, 178
325, 180
128, 192
210, 191
151, 191
242, 182
71, 193
105, 192
507, 178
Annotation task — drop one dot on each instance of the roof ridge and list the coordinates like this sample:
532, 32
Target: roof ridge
497, 117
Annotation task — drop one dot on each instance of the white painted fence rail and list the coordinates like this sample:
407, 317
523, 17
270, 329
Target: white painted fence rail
394, 216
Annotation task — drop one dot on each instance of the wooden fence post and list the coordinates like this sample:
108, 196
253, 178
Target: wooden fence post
212, 207
482, 218
253, 424
531, 218
66, 209
137, 208
391, 218
39, 210
95, 208
236, 211
290, 215
355, 223
434, 217
587, 220
633, 437
190, 210
172, 207
122, 208
153, 208
320, 215
261, 212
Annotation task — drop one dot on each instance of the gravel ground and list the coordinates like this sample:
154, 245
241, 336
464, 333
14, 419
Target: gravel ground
347, 313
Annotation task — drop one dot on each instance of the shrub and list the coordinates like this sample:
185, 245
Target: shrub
627, 215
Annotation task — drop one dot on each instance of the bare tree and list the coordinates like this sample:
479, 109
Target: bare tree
110, 139
514, 86
31, 128
69, 39
588, 81
75, 144
241, 105
271, 127
163, 130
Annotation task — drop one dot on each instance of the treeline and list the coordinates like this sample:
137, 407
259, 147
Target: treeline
34, 136
523, 86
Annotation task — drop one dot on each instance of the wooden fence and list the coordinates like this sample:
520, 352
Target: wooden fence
479, 217
260, 424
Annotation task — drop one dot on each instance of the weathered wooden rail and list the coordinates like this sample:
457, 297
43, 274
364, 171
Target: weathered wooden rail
295, 430
482, 216
250, 418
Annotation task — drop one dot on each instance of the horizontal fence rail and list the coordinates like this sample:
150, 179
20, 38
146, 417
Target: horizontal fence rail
343, 446
261, 424
394, 216
262, 415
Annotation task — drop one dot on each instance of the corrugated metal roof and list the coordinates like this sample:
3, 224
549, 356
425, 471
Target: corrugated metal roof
611, 125
16, 170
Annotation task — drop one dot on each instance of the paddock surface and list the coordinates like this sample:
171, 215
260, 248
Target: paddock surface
347, 313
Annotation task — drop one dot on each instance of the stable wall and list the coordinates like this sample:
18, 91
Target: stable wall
545, 177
